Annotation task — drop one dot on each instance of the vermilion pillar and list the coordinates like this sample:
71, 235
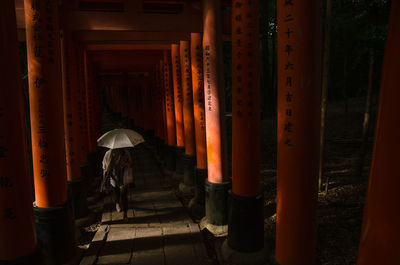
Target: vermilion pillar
246, 220
83, 106
216, 187
17, 232
88, 72
71, 117
163, 110
379, 242
169, 112
196, 53
178, 105
189, 158
299, 71
71, 126
54, 223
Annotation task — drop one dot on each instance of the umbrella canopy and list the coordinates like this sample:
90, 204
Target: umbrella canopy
120, 138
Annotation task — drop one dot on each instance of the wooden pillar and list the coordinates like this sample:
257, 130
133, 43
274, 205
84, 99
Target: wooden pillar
216, 186
299, 84
76, 94
196, 53
89, 75
163, 110
71, 127
71, 116
169, 112
246, 220
178, 105
83, 106
189, 158
17, 232
379, 242
188, 122
52, 208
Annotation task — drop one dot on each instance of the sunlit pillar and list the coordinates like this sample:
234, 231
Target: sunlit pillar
17, 231
189, 157
178, 106
73, 140
379, 242
169, 113
217, 186
246, 218
196, 54
299, 84
53, 210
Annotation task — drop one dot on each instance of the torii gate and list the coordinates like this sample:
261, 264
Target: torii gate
141, 40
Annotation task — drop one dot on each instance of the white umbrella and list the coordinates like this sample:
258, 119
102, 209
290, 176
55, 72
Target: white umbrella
120, 138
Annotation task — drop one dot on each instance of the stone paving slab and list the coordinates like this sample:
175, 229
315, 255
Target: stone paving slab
158, 231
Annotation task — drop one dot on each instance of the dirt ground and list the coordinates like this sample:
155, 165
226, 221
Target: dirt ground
340, 209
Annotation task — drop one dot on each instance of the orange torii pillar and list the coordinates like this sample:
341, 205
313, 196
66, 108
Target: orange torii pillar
170, 158
52, 208
196, 52
131, 105
379, 242
246, 218
158, 111
157, 103
82, 109
178, 106
94, 155
97, 104
88, 73
217, 185
189, 157
75, 174
17, 232
299, 84
162, 110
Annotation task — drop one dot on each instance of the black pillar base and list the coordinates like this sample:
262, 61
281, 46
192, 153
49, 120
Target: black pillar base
55, 229
216, 200
200, 178
87, 172
78, 190
94, 159
170, 158
33, 258
189, 163
180, 151
246, 223
158, 152
149, 136
197, 203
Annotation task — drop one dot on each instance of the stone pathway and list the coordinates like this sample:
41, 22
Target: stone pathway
159, 230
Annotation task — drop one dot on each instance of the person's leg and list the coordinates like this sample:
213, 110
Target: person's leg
124, 199
117, 194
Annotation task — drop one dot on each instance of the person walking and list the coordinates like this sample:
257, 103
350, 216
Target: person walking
117, 171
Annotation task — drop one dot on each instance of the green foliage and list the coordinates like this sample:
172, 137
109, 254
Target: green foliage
357, 25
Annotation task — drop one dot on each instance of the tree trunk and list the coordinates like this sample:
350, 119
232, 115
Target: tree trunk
266, 88
367, 114
273, 72
345, 97
324, 91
